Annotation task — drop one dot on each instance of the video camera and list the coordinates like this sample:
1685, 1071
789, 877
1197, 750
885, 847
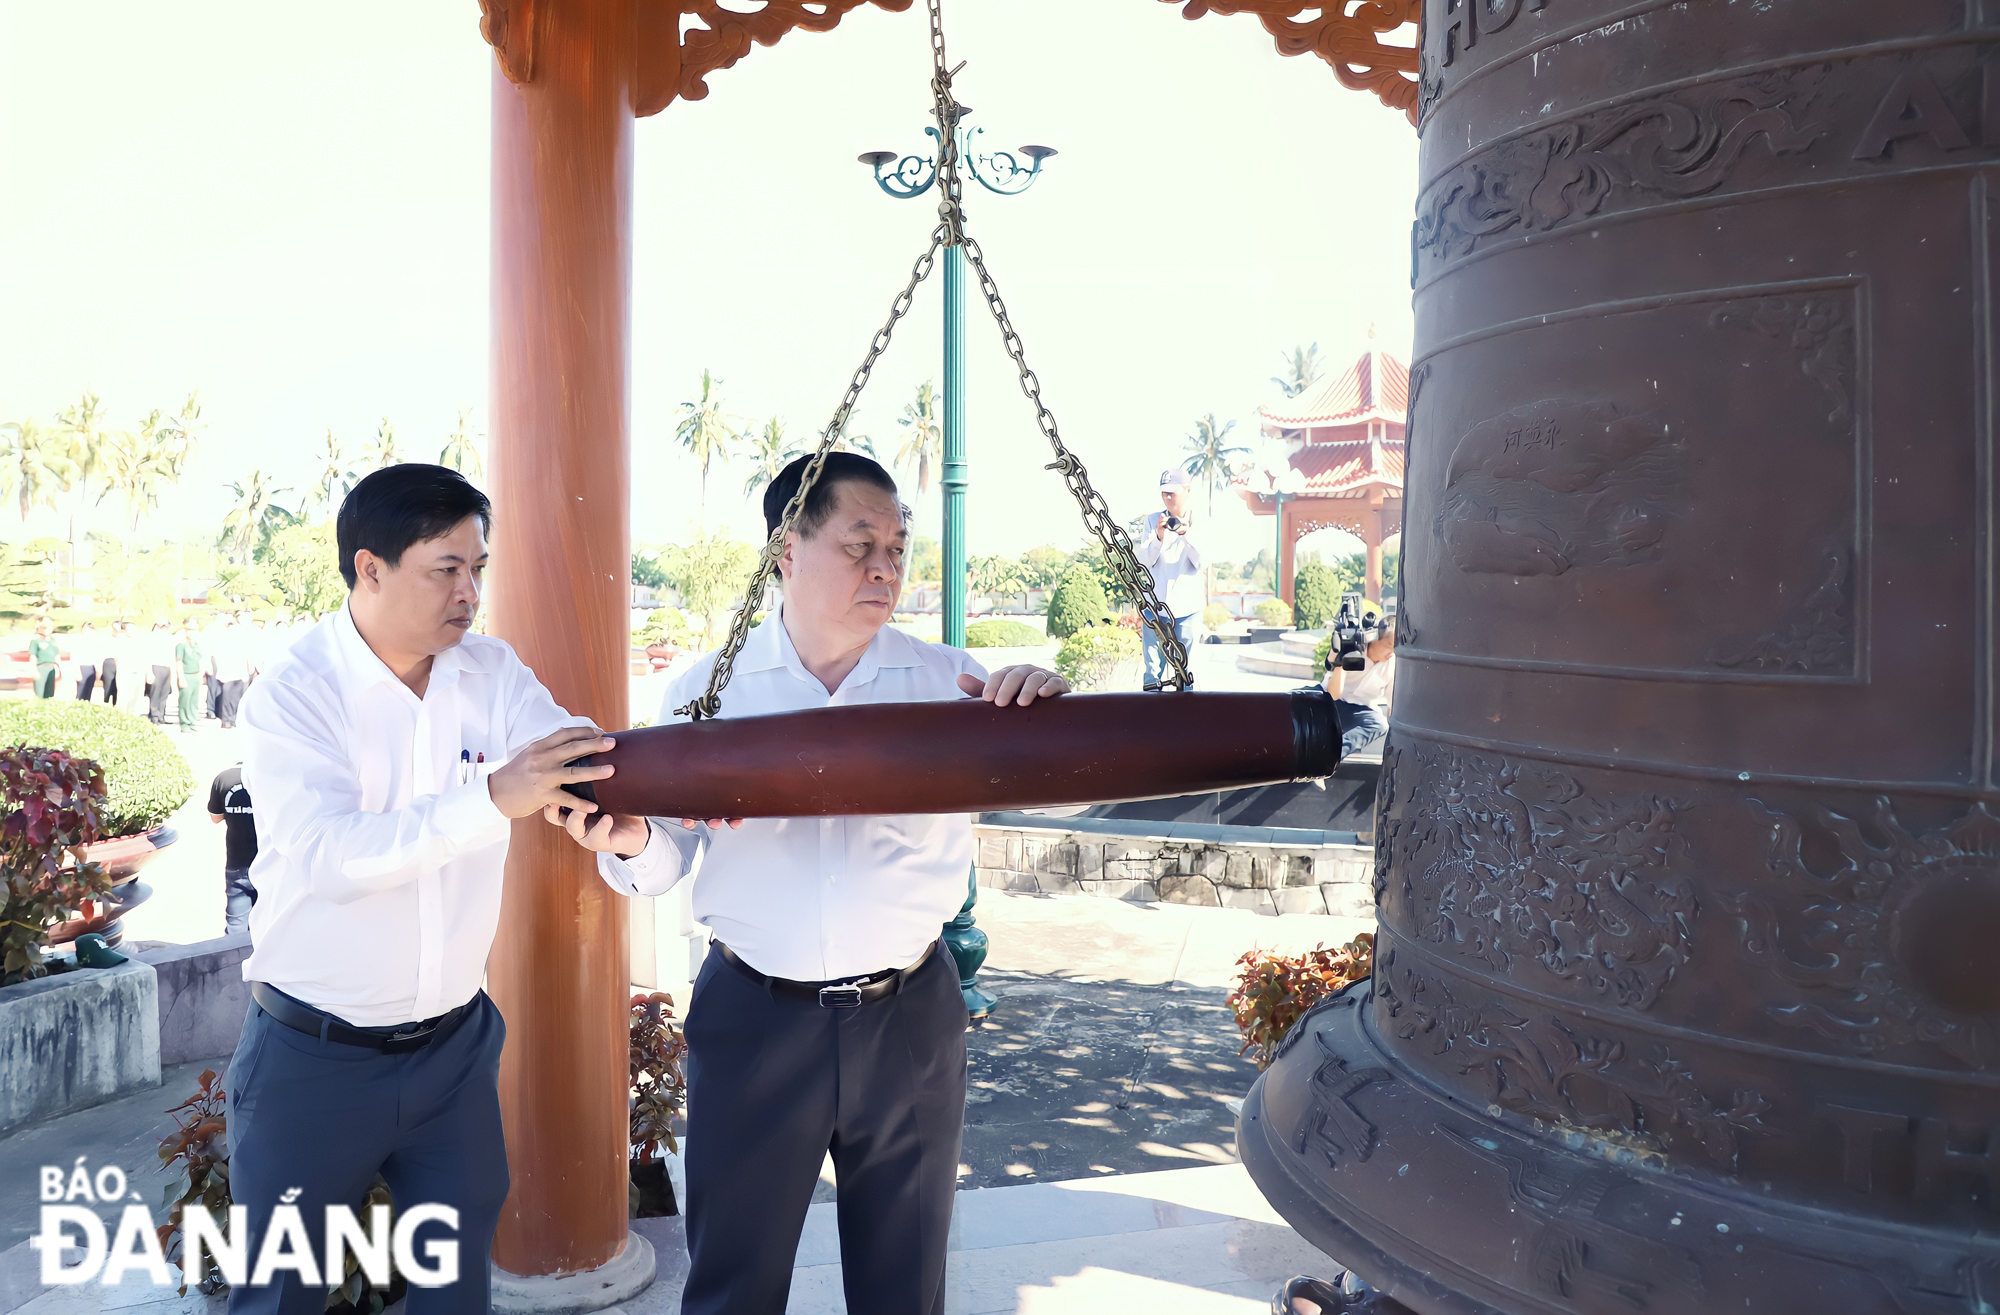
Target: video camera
1353, 632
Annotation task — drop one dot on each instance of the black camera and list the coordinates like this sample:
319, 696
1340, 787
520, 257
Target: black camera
1173, 523
1353, 632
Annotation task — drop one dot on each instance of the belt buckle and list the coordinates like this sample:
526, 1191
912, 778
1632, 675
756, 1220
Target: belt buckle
397, 1043
840, 997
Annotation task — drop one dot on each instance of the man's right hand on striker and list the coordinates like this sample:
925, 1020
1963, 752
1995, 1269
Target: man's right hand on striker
534, 778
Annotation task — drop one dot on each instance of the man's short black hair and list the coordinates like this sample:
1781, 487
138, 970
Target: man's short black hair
398, 506
840, 468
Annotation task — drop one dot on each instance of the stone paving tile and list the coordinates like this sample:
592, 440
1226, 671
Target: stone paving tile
1076, 1079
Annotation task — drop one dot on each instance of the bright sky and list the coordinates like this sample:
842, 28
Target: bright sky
285, 207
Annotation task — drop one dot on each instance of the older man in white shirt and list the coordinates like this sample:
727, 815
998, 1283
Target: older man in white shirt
381, 839
827, 1017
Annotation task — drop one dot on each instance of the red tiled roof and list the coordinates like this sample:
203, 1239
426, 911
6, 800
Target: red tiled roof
1363, 391
1335, 470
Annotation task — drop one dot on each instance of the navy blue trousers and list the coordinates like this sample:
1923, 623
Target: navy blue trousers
324, 1118
1360, 726
774, 1083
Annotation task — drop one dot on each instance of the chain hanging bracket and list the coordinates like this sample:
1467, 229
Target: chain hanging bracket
1133, 578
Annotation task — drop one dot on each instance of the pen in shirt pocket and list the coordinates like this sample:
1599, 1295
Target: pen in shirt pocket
464, 766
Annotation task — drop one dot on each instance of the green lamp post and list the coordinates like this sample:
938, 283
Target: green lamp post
906, 177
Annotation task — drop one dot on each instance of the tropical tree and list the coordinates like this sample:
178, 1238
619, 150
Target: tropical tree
1301, 368
383, 451
1211, 458
706, 431
993, 574
302, 561
923, 443
37, 465
155, 457
253, 508
93, 448
1045, 566
461, 450
710, 574
336, 476
769, 455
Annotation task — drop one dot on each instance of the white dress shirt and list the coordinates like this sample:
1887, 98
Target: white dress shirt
1175, 565
379, 852
1374, 685
816, 898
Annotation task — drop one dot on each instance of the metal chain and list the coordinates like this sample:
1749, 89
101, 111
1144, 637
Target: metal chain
1097, 517
774, 547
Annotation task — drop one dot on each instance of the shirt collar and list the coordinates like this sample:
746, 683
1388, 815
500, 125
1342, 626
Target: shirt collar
769, 647
361, 669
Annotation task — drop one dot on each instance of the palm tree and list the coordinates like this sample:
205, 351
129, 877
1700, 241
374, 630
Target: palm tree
335, 477
925, 441
155, 457
706, 431
1301, 368
1211, 457
384, 451
769, 454
461, 452
37, 465
255, 503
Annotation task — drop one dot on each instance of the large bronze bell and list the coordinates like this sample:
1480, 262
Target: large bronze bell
1687, 994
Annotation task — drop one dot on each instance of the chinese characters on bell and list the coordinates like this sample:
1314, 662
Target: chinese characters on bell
75, 1210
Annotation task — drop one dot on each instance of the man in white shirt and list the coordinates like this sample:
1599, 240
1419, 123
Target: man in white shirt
230, 664
827, 1016
370, 1046
1361, 698
1170, 555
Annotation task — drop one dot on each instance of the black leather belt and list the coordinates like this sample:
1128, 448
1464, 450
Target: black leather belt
849, 994
302, 1017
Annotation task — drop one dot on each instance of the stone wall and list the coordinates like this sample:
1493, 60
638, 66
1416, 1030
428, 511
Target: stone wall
1335, 879
203, 997
75, 1039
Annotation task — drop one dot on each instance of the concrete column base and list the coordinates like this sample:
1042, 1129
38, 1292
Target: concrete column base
620, 1278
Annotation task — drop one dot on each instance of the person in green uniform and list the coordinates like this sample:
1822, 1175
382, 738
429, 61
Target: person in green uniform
188, 662
47, 657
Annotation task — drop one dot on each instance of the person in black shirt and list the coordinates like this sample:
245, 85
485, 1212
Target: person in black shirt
229, 804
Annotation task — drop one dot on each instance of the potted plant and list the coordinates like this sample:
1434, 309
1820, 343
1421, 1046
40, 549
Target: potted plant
1274, 991
658, 1093
145, 780
53, 803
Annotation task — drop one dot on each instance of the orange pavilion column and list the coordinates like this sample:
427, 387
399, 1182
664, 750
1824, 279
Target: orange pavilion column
561, 289
1288, 542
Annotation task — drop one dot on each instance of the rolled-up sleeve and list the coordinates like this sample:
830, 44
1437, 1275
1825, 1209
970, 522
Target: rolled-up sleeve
309, 804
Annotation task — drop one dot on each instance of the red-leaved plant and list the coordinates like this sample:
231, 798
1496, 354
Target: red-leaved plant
1273, 991
199, 1150
659, 1087
52, 802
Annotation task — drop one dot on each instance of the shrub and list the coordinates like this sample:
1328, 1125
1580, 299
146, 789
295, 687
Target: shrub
1315, 596
1077, 604
52, 803
1274, 612
1322, 651
1215, 616
146, 778
1003, 634
1273, 991
1091, 655
667, 625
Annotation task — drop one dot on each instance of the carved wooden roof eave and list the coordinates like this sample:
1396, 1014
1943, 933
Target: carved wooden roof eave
1349, 42
673, 63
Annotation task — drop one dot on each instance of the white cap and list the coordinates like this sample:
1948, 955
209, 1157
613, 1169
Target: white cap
1175, 478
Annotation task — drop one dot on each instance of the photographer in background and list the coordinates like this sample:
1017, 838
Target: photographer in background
1361, 675
1170, 555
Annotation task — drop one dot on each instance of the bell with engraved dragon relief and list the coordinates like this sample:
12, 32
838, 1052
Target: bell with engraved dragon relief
1687, 991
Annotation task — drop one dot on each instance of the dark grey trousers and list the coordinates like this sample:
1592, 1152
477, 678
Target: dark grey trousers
774, 1083
325, 1118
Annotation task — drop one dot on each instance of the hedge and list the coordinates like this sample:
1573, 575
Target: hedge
1093, 655
145, 777
1316, 596
1003, 634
